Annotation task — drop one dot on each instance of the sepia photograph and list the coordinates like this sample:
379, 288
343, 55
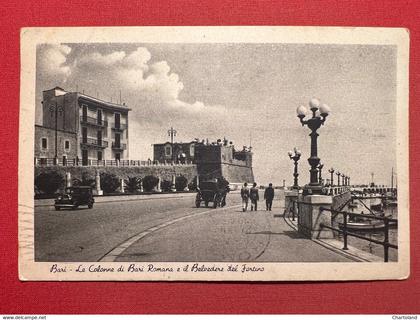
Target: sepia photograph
214, 153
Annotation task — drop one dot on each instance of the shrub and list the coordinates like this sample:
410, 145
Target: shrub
192, 186
132, 184
49, 182
166, 185
109, 182
86, 180
180, 183
150, 182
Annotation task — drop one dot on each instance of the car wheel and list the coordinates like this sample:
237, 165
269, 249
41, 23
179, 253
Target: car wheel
90, 205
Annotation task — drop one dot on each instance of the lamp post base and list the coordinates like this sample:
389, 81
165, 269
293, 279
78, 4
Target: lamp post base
312, 189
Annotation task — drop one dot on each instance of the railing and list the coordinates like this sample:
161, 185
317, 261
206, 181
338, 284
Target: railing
94, 121
347, 233
332, 191
119, 146
121, 127
95, 142
42, 162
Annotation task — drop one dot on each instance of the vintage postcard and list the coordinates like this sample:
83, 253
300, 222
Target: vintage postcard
214, 153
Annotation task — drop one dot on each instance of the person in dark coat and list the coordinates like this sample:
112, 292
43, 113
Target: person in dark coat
245, 197
269, 196
253, 195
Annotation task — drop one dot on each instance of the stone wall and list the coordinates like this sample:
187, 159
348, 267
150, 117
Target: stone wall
165, 172
237, 174
49, 152
340, 200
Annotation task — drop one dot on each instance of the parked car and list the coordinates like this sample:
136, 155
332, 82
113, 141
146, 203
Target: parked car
74, 197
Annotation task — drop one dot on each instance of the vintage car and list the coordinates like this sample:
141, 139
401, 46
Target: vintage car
211, 191
74, 197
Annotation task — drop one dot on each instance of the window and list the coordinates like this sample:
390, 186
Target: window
99, 155
192, 147
44, 143
168, 150
99, 116
117, 119
67, 145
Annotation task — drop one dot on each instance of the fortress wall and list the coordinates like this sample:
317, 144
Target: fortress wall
237, 174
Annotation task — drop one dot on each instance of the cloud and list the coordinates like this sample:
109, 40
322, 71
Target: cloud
98, 60
52, 61
149, 87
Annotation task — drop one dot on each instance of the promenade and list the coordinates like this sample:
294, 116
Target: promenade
170, 228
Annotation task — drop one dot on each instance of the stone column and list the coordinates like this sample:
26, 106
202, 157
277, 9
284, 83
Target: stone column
311, 217
159, 185
122, 185
68, 179
173, 182
98, 191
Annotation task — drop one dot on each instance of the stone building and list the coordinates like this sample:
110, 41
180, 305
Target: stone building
77, 126
213, 160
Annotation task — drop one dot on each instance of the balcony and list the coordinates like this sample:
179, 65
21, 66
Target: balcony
95, 143
119, 146
94, 121
119, 127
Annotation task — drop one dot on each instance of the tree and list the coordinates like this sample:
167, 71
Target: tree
132, 184
150, 182
49, 182
86, 180
109, 182
180, 183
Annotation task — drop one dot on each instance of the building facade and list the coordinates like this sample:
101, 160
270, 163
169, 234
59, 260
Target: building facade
78, 126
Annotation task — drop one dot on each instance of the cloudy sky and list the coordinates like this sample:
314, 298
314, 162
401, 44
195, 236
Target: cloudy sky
246, 92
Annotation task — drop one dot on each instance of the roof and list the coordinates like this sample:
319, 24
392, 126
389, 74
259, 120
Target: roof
103, 103
175, 143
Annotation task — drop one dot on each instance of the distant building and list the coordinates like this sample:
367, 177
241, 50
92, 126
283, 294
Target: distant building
178, 152
78, 127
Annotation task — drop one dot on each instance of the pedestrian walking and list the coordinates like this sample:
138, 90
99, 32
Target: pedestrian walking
269, 196
245, 197
253, 194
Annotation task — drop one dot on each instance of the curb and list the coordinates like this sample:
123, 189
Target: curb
124, 198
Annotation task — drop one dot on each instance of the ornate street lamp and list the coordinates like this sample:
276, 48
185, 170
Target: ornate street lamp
172, 134
319, 115
295, 157
332, 176
320, 166
338, 178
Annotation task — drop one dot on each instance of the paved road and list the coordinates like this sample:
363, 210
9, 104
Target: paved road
88, 234
171, 230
